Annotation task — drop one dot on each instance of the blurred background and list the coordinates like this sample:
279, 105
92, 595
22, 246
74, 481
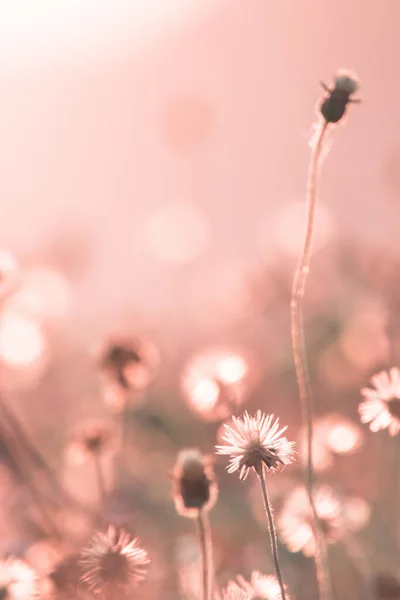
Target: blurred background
153, 165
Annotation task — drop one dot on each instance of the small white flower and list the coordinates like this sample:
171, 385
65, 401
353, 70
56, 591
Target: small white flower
381, 405
113, 560
254, 441
262, 586
17, 580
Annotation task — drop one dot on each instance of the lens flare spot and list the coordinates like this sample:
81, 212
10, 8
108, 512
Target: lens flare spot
22, 341
216, 382
205, 394
44, 293
231, 369
344, 438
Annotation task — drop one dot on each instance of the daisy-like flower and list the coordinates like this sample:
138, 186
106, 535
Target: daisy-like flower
113, 563
233, 591
254, 441
265, 587
381, 405
195, 487
17, 580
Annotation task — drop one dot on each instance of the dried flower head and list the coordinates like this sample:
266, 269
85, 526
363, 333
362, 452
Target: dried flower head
128, 362
261, 586
334, 103
113, 563
195, 487
256, 441
91, 438
381, 406
17, 580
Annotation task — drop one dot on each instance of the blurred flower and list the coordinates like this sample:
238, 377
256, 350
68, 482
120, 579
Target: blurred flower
17, 580
91, 438
333, 434
195, 488
337, 517
381, 406
216, 382
343, 436
127, 364
261, 586
113, 562
256, 441
234, 592
386, 586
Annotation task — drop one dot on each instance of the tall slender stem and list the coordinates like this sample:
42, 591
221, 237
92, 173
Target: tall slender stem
101, 486
300, 358
204, 535
272, 530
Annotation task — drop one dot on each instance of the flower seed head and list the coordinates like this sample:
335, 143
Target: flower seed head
113, 563
195, 487
346, 81
256, 441
334, 103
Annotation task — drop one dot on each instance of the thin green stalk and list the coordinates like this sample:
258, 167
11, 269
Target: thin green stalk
300, 359
272, 530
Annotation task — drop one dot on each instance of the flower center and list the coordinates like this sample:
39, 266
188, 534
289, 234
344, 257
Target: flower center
115, 568
394, 407
3, 592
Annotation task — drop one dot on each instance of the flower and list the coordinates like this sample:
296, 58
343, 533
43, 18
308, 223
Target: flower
337, 516
91, 438
336, 99
195, 487
381, 406
333, 435
346, 81
234, 592
129, 363
113, 562
261, 586
17, 580
256, 441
